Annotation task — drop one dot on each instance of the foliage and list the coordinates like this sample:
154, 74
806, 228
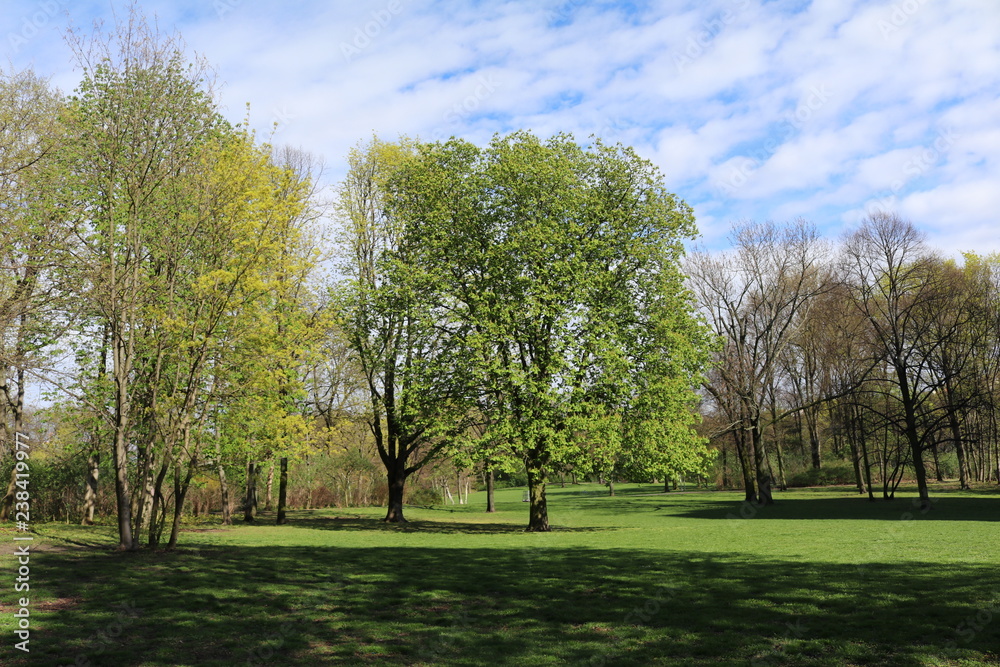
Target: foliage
555, 267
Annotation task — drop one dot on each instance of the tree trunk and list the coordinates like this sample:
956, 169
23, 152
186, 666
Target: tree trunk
8, 498
812, 426
158, 510
852, 441
250, 501
123, 499
937, 463
538, 513
910, 416
611, 485
956, 434
490, 496
282, 490
749, 486
396, 477
90, 493
180, 493
863, 442
764, 496
227, 514
268, 500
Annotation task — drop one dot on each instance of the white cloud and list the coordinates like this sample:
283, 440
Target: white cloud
699, 88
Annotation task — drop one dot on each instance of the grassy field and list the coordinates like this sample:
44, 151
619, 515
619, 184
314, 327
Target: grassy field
644, 578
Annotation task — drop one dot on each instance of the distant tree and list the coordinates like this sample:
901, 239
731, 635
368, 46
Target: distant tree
895, 284
756, 298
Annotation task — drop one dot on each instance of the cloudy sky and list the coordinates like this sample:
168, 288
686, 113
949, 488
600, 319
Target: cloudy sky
757, 110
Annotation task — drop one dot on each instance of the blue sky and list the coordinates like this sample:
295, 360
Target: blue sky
824, 110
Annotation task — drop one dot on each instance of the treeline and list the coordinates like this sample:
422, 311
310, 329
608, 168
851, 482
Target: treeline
877, 348
205, 335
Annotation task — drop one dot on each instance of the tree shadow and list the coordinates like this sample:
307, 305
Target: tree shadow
215, 605
945, 507
444, 527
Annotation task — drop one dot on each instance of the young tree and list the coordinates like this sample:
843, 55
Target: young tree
556, 269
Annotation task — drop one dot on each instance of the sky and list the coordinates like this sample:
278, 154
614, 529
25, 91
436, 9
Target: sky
826, 110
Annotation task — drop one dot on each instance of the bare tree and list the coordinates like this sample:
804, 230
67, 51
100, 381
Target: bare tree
756, 298
894, 284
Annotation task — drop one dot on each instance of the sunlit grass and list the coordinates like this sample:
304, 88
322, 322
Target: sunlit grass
822, 578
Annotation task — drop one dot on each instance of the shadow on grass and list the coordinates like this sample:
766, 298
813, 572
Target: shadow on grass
946, 507
227, 606
446, 527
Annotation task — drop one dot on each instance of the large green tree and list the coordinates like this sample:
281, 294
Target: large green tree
409, 362
556, 266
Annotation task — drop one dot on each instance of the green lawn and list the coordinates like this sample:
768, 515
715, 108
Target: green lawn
644, 578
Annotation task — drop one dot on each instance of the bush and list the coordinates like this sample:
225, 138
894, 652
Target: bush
828, 476
422, 495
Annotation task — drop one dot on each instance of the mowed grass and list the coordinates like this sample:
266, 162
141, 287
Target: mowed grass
644, 578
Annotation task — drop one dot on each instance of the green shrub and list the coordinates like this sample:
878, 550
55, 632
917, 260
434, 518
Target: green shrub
422, 495
828, 476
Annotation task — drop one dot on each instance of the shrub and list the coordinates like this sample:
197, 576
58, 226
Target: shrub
422, 495
827, 476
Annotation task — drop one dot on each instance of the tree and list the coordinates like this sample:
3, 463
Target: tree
33, 245
140, 116
894, 284
555, 269
756, 298
408, 361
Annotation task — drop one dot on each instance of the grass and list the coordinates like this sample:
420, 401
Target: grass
643, 578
